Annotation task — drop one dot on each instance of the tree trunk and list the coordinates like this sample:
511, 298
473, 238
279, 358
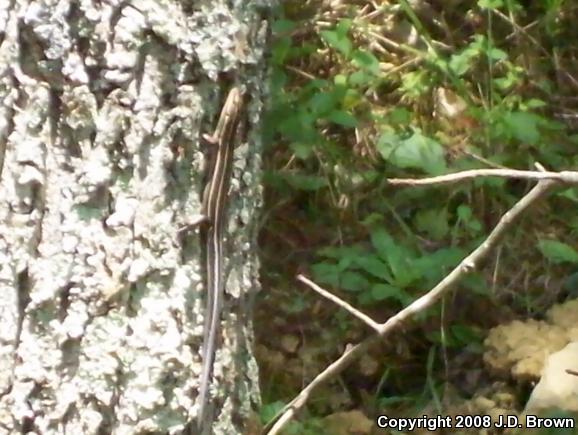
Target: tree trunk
101, 172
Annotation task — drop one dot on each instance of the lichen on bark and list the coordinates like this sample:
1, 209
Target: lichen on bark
101, 170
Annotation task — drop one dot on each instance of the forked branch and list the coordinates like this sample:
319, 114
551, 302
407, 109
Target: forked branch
547, 181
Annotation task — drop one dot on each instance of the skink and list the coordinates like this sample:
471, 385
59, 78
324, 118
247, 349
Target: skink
214, 208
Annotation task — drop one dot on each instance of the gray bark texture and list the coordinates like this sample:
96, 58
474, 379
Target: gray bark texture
104, 104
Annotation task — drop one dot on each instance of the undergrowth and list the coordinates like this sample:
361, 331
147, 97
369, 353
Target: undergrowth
366, 91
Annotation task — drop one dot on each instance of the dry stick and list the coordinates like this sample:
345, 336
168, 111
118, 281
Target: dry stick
338, 301
427, 300
521, 30
570, 177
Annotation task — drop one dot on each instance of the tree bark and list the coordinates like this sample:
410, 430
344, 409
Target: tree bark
101, 173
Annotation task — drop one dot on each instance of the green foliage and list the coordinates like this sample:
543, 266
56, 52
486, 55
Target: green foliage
348, 112
558, 252
490, 4
304, 181
270, 410
412, 150
416, 84
464, 61
458, 336
386, 270
338, 38
521, 127
466, 219
311, 426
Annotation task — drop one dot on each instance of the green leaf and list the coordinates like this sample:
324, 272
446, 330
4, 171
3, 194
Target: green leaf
343, 26
268, 411
281, 50
496, 54
340, 80
558, 252
322, 103
278, 80
399, 258
382, 242
465, 216
417, 151
360, 78
302, 150
343, 118
490, 4
283, 26
571, 195
351, 99
326, 273
380, 292
465, 334
305, 182
372, 219
345, 262
387, 142
316, 85
416, 83
297, 126
366, 61
401, 268
534, 103
353, 281
433, 221
435, 265
523, 126
436, 337
476, 283
337, 252
512, 78
374, 266
338, 40
296, 305
461, 63
464, 212
399, 116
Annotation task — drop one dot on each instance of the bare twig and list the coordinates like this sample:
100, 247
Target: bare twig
468, 264
520, 30
300, 72
483, 160
338, 301
570, 177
